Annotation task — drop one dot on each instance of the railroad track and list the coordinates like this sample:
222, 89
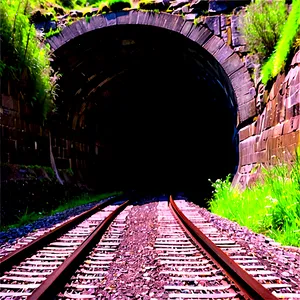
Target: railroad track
72, 260
205, 264
40, 269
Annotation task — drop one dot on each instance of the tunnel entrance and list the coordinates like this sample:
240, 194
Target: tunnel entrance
159, 107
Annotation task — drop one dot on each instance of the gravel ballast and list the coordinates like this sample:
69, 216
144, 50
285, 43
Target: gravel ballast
134, 273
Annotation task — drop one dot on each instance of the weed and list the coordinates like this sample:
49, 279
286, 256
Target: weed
288, 37
29, 217
262, 25
23, 58
116, 5
87, 18
271, 206
52, 32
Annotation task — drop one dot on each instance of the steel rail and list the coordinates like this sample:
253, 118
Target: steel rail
56, 280
250, 287
8, 261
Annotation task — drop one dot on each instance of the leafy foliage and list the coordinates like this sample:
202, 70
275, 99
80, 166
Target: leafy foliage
24, 61
271, 206
119, 4
52, 33
262, 25
288, 37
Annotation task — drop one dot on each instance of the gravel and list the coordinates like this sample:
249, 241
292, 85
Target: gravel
134, 273
285, 261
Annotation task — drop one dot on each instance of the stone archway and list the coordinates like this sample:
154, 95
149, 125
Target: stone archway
228, 60
100, 60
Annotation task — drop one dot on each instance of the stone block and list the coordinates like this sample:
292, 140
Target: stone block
278, 130
294, 98
290, 138
296, 59
252, 129
261, 122
261, 144
244, 133
213, 23
223, 22
292, 111
280, 109
271, 149
262, 156
224, 36
7, 101
237, 38
292, 124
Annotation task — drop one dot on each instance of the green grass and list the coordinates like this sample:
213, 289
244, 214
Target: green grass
271, 206
290, 31
24, 62
262, 26
52, 33
27, 217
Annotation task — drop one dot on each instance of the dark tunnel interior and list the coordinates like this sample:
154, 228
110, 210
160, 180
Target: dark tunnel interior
160, 108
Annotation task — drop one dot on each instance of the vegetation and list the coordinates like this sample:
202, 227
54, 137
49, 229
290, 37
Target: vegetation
24, 62
262, 25
52, 33
119, 4
271, 206
272, 33
27, 218
288, 39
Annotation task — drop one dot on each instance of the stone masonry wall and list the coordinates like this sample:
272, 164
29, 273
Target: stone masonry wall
24, 142
274, 135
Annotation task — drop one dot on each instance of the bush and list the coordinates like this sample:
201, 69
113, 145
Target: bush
24, 62
290, 31
116, 5
262, 25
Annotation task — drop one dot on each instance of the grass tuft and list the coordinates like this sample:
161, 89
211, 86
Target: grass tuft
262, 26
25, 63
29, 217
270, 207
288, 39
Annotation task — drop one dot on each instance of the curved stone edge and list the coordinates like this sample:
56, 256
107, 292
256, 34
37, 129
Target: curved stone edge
230, 61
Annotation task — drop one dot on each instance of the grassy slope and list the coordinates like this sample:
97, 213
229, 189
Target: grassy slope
270, 207
33, 216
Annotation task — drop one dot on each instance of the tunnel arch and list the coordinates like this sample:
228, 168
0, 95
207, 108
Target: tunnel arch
84, 47
230, 62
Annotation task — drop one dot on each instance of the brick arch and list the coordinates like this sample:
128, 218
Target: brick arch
230, 62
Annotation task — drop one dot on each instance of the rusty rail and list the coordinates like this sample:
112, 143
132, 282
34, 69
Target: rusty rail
54, 282
8, 261
250, 287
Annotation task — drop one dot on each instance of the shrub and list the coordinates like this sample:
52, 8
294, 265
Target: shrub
116, 5
66, 3
290, 31
262, 25
24, 62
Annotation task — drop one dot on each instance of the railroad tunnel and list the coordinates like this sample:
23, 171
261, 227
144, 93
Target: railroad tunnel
159, 107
